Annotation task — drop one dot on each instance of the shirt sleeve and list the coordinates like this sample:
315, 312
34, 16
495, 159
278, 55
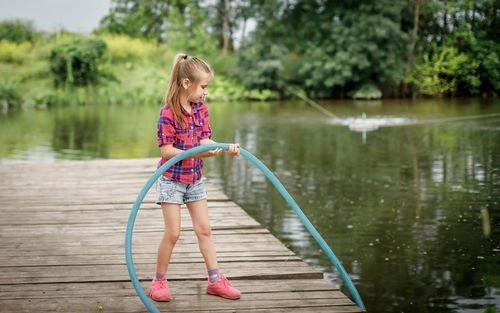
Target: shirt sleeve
206, 130
166, 129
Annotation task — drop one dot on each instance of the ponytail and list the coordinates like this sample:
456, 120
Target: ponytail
183, 67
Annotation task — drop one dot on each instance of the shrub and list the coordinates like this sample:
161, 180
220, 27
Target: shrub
9, 96
442, 72
17, 30
76, 63
121, 48
367, 91
11, 52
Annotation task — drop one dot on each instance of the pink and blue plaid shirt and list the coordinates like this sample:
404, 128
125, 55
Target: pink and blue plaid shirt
196, 127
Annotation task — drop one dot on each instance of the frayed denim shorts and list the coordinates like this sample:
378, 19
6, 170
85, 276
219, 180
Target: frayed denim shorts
170, 191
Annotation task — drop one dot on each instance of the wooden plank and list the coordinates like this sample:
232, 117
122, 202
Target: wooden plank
307, 295
62, 248
176, 271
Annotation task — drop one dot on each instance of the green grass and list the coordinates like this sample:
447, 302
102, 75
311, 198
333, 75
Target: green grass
134, 71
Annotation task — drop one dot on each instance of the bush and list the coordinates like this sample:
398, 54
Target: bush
367, 92
9, 96
11, 52
443, 71
76, 63
121, 48
17, 31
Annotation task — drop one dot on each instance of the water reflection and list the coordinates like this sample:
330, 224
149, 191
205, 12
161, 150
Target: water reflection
402, 212
413, 214
78, 131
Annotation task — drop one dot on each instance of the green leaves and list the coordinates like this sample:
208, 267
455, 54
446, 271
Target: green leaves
18, 31
76, 63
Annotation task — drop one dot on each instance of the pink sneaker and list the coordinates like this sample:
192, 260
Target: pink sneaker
223, 288
159, 290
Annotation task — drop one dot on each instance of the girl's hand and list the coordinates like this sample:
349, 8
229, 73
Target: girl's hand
216, 151
234, 149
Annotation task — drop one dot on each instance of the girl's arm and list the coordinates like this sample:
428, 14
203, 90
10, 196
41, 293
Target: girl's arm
169, 151
234, 148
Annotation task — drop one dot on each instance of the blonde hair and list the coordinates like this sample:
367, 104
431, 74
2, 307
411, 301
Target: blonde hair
184, 66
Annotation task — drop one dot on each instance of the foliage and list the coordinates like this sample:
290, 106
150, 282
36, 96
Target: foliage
18, 31
223, 88
324, 48
367, 91
459, 30
140, 19
181, 24
9, 95
443, 71
265, 72
262, 56
186, 30
331, 49
76, 63
327, 48
349, 53
122, 48
11, 52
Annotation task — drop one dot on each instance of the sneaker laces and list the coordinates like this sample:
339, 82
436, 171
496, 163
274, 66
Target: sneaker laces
162, 283
226, 282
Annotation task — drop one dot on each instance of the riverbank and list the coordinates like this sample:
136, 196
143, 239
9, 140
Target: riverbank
132, 71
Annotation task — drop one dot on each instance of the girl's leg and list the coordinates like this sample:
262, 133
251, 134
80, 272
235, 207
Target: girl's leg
172, 218
201, 224
220, 286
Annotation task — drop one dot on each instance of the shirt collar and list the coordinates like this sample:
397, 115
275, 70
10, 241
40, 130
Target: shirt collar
194, 107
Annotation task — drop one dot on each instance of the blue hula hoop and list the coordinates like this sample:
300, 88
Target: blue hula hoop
277, 184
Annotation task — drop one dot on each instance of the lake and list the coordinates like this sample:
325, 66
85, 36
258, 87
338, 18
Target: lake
411, 205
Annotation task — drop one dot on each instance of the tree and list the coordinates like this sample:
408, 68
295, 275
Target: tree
76, 63
17, 30
413, 41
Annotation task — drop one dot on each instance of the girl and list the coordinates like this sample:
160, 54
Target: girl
183, 124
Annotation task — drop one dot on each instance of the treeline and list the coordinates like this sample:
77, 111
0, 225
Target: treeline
330, 49
260, 50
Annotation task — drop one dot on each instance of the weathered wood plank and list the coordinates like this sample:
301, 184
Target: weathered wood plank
269, 295
176, 271
62, 228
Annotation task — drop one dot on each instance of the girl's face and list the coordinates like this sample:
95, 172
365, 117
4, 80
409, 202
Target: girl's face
198, 91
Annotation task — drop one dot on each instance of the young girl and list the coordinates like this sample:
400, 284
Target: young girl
183, 124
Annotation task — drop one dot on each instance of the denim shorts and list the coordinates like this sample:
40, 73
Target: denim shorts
170, 191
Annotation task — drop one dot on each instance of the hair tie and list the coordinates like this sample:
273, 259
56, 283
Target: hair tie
185, 57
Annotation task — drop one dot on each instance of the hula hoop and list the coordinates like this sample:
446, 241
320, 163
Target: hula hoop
277, 184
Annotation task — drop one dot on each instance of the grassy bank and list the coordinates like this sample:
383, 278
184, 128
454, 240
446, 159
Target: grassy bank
132, 71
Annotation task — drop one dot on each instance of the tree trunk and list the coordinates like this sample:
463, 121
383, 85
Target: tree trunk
225, 29
243, 30
412, 45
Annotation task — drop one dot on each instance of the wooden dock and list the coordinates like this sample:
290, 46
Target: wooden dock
62, 233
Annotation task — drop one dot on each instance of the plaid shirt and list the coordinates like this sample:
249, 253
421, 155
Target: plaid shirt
188, 170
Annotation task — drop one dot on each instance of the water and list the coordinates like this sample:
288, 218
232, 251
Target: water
412, 209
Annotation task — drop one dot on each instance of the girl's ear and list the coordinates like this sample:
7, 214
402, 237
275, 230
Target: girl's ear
186, 83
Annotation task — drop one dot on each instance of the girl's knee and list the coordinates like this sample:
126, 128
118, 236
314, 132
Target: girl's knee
171, 236
203, 231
